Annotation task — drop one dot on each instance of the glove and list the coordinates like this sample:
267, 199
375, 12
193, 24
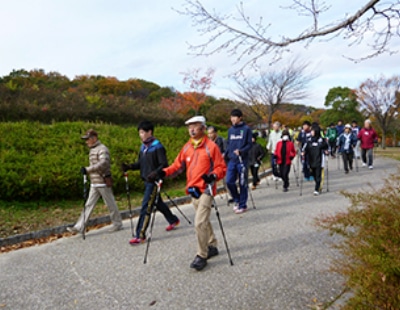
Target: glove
209, 178
83, 170
125, 167
156, 175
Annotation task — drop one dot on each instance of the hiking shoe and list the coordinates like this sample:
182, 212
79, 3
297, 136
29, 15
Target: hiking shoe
241, 210
115, 228
316, 193
199, 263
212, 251
235, 207
137, 241
173, 225
73, 229
371, 167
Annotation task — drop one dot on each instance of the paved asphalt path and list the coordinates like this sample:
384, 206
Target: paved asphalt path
281, 259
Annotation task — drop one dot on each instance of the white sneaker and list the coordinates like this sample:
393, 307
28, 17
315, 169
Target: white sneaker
316, 193
364, 165
371, 167
235, 207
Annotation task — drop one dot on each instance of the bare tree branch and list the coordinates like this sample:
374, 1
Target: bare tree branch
376, 19
379, 98
271, 88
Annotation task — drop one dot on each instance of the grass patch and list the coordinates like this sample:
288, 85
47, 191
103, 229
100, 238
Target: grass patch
389, 152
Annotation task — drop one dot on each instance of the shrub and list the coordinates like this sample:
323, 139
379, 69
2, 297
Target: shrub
370, 246
42, 162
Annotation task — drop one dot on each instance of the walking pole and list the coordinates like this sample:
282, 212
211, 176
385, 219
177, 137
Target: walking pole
176, 206
295, 175
327, 174
84, 204
266, 177
242, 177
158, 183
301, 183
129, 202
220, 224
355, 157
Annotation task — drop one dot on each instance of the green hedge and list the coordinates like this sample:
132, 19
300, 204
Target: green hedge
42, 162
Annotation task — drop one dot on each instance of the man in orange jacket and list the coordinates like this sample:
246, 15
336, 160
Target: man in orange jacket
204, 165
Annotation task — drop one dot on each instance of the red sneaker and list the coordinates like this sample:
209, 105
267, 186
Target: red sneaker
172, 226
137, 241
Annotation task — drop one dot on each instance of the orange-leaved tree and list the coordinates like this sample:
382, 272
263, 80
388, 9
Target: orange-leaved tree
192, 100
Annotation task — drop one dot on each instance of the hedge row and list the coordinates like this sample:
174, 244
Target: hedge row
42, 162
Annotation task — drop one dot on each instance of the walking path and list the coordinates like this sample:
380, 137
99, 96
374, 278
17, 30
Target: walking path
281, 259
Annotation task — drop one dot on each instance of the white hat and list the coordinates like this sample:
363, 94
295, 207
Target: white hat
196, 119
347, 126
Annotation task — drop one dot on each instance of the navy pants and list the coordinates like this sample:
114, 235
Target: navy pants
150, 192
238, 170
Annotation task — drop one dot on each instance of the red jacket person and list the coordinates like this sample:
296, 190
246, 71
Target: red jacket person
204, 164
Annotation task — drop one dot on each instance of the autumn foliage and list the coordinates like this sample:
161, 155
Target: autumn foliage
370, 246
192, 100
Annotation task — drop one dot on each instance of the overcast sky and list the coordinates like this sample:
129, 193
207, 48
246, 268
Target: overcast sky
149, 40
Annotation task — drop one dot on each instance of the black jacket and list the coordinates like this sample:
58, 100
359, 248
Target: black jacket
256, 153
313, 149
151, 158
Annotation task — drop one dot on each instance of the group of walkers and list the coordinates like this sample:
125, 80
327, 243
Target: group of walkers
208, 158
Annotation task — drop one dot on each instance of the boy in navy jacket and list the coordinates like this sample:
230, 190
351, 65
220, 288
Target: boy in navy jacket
237, 152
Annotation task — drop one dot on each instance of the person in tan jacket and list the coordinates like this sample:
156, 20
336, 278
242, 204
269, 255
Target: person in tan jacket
99, 172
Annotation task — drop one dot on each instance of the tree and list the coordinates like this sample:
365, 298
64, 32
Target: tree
184, 102
270, 89
375, 23
380, 98
342, 103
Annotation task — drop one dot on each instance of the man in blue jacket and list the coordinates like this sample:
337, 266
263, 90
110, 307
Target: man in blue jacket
237, 150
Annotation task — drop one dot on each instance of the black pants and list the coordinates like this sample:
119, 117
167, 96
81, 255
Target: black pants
332, 145
316, 173
254, 174
285, 169
347, 161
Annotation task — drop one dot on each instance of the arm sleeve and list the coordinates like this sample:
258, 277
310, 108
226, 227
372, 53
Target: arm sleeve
219, 164
102, 164
247, 143
177, 167
161, 158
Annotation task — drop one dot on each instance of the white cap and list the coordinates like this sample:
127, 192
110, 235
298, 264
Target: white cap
347, 126
196, 119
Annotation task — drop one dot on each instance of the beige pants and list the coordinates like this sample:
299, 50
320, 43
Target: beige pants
204, 231
108, 197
